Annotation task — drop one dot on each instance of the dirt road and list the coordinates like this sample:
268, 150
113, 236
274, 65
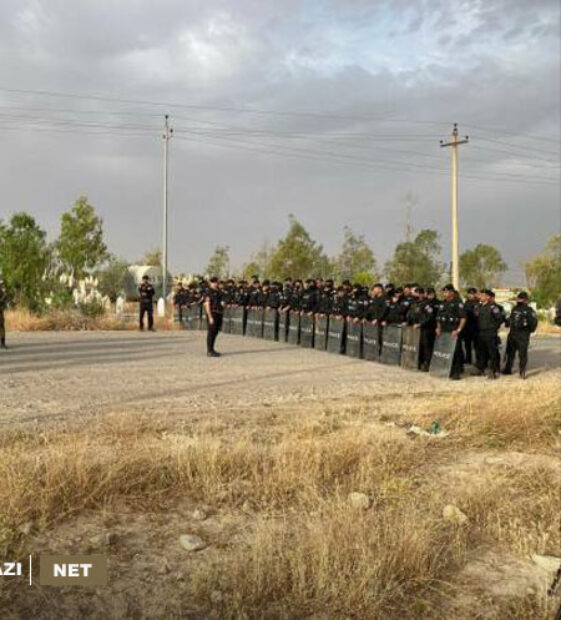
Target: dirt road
53, 376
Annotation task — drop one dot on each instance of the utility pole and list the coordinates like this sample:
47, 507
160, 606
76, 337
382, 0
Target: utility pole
454, 143
168, 133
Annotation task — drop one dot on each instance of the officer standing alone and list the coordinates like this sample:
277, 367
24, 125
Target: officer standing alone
213, 306
523, 322
146, 294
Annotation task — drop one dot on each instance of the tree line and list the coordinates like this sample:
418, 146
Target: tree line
35, 270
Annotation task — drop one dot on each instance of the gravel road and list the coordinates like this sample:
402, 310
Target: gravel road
50, 376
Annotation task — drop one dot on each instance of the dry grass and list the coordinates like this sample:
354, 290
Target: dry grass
547, 328
303, 549
73, 320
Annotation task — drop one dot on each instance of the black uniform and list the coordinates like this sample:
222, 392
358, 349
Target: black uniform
180, 301
523, 322
215, 298
489, 318
448, 317
394, 313
426, 316
309, 299
3, 304
146, 294
469, 333
325, 301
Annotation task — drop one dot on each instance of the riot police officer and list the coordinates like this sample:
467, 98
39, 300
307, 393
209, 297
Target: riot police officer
423, 315
451, 318
469, 334
213, 306
523, 322
146, 294
3, 304
489, 319
180, 301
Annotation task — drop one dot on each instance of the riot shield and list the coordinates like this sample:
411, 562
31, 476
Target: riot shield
443, 355
227, 320
307, 331
320, 332
283, 326
254, 325
187, 317
202, 318
371, 342
293, 327
237, 320
353, 346
271, 324
410, 348
391, 345
336, 335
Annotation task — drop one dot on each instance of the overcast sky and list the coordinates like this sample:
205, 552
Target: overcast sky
330, 110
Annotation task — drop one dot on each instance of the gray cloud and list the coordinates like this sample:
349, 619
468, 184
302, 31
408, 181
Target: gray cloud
496, 71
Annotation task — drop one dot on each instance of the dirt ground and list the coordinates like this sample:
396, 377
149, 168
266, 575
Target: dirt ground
69, 375
74, 380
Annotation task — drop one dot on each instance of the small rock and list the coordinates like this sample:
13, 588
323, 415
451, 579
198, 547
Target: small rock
111, 538
414, 430
180, 577
192, 542
216, 597
549, 563
493, 460
246, 507
199, 514
359, 500
454, 514
164, 569
26, 528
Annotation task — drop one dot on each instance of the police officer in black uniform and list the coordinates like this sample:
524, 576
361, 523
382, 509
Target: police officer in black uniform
423, 315
469, 334
3, 304
522, 321
451, 318
146, 294
179, 301
489, 319
213, 306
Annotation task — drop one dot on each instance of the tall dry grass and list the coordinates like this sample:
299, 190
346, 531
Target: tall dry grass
73, 320
303, 548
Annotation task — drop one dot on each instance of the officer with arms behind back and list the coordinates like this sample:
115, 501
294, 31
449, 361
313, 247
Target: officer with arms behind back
146, 294
3, 304
213, 306
523, 322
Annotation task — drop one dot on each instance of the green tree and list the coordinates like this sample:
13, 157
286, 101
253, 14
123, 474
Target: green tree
482, 266
356, 262
80, 245
219, 262
24, 260
115, 279
543, 273
298, 255
152, 258
417, 260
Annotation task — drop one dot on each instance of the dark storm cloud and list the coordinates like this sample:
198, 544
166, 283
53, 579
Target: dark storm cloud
493, 66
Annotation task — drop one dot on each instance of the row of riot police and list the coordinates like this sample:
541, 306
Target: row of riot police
372, 323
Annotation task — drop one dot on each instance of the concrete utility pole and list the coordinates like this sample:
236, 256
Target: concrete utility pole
168, 133
454, 143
